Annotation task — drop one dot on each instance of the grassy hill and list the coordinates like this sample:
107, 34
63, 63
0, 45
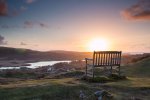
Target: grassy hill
140, 68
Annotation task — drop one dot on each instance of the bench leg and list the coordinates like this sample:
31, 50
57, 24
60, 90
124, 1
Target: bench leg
119, 71
111, 70
93, 72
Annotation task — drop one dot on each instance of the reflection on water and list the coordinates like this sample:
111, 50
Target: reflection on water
35, 64
3, 68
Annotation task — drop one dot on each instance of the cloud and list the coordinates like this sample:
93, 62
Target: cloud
30, 1
31, 24
4, 11
25, 44
44, 25
6, 26
139, 11
2, 41
22, 43
28, 24
3, 8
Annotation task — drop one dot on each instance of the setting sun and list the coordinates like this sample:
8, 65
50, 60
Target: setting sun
98, 45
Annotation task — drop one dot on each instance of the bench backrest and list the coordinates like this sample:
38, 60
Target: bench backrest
106, 58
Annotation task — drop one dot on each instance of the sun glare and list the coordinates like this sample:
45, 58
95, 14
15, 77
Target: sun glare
98, 45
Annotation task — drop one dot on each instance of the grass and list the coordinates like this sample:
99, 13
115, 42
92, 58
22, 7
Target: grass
69, 89
37, 92
41, 82
54, 92
71, 74
44, 89
104, 79
19, 75
137, 85
138, 69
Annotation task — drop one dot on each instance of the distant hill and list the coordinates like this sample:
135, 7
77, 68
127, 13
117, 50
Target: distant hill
7, 53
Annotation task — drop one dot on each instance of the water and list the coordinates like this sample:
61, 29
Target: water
44, 63
4, 68
35, 64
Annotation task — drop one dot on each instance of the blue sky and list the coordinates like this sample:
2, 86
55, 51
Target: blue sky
71, 24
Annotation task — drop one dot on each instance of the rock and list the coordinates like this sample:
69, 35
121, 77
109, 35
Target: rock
82, 96
103, 95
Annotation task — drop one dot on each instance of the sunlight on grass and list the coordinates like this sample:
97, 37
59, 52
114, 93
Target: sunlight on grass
132, 82
42, 82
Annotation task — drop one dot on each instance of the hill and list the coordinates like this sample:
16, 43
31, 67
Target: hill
7, 53
140, 68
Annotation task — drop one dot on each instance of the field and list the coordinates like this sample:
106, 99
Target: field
135, 87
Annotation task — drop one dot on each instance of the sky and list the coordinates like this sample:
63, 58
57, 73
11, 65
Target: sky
71, 24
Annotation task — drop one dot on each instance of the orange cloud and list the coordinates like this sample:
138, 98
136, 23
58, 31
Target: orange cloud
139, 11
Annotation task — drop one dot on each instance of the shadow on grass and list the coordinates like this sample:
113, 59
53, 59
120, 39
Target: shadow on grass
104, 79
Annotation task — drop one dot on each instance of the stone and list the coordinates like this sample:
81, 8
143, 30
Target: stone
82, 96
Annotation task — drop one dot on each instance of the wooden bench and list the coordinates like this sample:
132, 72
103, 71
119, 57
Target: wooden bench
103, 59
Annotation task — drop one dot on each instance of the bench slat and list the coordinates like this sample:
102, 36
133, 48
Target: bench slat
106, 58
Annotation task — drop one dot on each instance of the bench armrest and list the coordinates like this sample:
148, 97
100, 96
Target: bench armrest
89, 59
